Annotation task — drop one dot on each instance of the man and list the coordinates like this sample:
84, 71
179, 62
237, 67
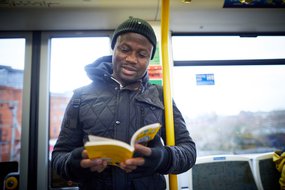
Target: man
119, 101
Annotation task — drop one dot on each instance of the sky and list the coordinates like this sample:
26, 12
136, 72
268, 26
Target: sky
68, 58
228, 47
12, 53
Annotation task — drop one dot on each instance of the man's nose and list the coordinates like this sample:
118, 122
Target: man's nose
131, 57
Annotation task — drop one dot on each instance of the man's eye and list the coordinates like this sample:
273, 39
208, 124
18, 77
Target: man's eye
143, 54
124, 49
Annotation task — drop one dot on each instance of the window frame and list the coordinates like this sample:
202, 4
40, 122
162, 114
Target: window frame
25, 130
241, 62
43, 169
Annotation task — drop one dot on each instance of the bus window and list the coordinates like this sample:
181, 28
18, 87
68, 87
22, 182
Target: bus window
12, 58
240, 110
231, 109
12, 61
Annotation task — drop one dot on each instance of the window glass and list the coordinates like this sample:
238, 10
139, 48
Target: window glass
12, 58
232, 109
228, 47
242, 112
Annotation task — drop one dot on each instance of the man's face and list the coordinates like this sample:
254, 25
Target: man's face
131, 57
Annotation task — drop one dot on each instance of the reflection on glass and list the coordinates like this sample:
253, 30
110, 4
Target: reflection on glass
239, 109
11, 86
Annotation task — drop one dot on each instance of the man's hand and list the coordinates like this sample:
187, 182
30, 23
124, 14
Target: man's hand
97, 165
131, 164
151, 160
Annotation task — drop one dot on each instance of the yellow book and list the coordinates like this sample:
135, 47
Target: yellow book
116, 151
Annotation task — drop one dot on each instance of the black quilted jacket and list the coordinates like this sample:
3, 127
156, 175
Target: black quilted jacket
108, 110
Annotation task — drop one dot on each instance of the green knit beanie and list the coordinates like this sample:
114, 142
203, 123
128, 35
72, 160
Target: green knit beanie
136, 25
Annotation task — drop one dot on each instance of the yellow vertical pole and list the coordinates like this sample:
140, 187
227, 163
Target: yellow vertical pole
169, 122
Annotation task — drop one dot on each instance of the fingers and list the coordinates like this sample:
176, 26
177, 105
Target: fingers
127, 168
84, 154
99, 168
143, 149
95, 165
131, 164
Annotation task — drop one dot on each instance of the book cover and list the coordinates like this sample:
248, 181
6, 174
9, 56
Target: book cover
116, 151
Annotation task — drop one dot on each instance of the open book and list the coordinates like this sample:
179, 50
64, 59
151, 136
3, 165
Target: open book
116, 151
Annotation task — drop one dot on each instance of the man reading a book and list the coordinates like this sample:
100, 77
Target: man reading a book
118, 102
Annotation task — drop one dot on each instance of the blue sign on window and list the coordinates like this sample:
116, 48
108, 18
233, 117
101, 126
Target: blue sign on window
205, 79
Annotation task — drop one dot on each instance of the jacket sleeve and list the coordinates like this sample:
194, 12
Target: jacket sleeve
69, 142
183, 153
